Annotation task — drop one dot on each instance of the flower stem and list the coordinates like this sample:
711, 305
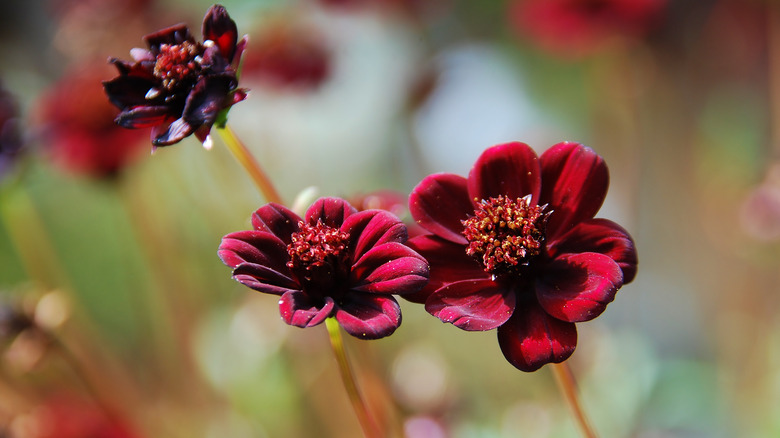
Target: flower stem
366, 422
567, 385
242, 154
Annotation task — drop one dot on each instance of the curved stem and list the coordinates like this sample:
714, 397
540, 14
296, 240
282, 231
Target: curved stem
242, 154
567, 385
366, 422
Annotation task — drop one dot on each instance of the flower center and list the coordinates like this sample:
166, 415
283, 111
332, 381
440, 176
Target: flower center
177, 62
505, 234
317, 246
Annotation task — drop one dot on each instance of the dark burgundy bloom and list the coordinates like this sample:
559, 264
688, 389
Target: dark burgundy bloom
515, 247
79, 130
287, 56
580, 27
335, 262
10, 134
180, 86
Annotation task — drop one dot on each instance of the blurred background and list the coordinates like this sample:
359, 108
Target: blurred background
117, 319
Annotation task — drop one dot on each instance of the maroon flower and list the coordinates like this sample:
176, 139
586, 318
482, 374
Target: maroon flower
335, 262
180, 86
83, 138
580, 27
515, 247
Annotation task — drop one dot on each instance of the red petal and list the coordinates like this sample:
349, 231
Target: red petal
532, 338
367, 316
390, 268
167, 135
578, 287
439, 203
370, 228
220, 28
331, 211
254, 247
264, 279
299, 309
473, 305
510, 169
604, 237
574, 183
176, 34
276, 219
448, 263
142, 117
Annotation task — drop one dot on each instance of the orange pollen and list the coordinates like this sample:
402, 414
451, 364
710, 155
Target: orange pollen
177, 62
505, 234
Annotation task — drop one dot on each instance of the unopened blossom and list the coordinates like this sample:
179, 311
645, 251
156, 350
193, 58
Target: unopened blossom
334, 262
515, 247
180, 86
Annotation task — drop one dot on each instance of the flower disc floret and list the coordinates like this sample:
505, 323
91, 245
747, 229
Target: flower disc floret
505, 234
178, 62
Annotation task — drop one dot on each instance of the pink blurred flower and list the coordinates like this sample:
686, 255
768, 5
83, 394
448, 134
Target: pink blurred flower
581, 27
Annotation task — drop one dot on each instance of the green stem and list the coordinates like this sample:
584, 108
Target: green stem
568, 387
366, 422
242, 154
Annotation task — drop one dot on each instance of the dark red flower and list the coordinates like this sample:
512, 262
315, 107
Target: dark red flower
287, 56
79, 130
515, 247
179, 86
336, 262
580, 27
10, 134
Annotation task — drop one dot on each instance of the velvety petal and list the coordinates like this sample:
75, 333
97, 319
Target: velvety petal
264, 279
532, 338
439, 203
578, 287
331, 211
167, 135
473, 305
207, 98
256, 247
574, 184
176, 34
142, 117
220, 28
390, 268
276, 219
448, 263
510, 169
131, 91
371, 228
368, 316
299, 309
604, 237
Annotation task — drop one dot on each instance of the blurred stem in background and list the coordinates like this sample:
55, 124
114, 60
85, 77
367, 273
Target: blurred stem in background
565, 380
242, 154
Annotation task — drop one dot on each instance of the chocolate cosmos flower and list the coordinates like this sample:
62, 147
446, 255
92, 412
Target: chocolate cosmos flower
335, 262
515, 247
179, 86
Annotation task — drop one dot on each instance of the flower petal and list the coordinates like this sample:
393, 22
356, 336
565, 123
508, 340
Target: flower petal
264, 279
331, 211
448, 263
510, 169
167, 135
220, 28
604, 237
276, 219
473, 305
368, 316
301, 310
578, 287
142, 117
439, 203
175, 34
390, 268
208, 97
258, 258
132, 91
574, 184
532, 338
371, 228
